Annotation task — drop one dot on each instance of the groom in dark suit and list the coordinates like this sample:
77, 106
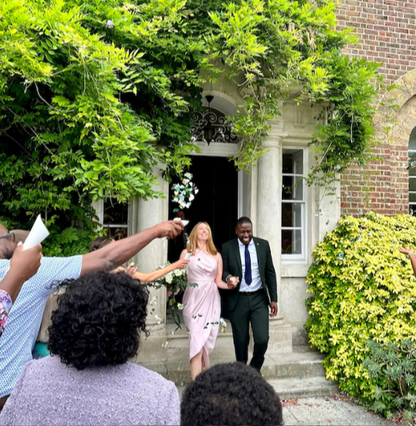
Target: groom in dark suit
248, 264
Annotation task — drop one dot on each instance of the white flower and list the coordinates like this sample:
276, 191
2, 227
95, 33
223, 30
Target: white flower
109, 24
400, 309
196, 191
169, 278
191, 197
188, 175
177, 272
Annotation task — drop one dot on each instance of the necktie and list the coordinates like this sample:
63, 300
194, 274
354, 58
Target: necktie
247, 273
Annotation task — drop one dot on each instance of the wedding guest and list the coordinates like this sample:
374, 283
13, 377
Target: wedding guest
202, 304
230, 394
24, 319
88, 379
23, 265
41, 349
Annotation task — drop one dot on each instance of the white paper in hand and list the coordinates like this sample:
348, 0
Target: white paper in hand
36, 235
188, 255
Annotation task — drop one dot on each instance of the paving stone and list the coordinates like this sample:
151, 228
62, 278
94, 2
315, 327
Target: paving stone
330, 411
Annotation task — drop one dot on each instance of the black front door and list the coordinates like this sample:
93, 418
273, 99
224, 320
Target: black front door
216, 201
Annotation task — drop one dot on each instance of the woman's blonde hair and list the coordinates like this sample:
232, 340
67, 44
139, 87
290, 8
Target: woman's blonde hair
193, 240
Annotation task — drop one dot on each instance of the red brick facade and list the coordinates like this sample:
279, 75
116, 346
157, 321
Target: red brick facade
387, 31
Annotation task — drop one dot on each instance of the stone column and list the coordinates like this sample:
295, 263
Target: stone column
268, 226
144, 214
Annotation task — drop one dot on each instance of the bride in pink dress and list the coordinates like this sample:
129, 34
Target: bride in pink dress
202, 304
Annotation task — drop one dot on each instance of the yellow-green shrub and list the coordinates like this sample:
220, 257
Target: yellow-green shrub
362, 289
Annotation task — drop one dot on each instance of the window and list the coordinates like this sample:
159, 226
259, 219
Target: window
293, 204
412, 173
115, 218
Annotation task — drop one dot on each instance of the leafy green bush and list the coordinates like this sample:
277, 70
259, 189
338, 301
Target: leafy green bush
394, 367
363, 289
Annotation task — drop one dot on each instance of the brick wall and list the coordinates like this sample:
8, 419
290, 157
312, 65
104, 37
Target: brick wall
387, 30
382, 187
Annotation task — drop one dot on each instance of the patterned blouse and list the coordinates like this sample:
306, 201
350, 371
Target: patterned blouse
5, 306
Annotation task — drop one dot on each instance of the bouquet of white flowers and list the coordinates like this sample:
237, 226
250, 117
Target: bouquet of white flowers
175, 282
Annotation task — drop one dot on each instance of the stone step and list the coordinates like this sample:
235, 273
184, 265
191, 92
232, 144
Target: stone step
297, 365
311, 387
295, 387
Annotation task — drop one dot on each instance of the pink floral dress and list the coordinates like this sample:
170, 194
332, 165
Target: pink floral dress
202, 305
5, 306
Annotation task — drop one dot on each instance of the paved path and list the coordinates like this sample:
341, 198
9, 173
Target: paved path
329, 411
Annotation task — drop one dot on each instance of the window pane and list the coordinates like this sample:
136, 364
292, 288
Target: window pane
292, 215
292, 188
291, 242
412, 164
293, 161
117, 233
412, 197
412, 210
412, 184
412, 140
115, 213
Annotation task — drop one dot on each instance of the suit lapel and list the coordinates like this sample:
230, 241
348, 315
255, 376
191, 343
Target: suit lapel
237, 255
260, 258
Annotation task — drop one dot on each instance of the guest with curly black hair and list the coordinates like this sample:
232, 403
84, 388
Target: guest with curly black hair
87, 380
230, 394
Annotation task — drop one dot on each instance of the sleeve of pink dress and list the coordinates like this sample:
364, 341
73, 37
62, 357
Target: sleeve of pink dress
202, 305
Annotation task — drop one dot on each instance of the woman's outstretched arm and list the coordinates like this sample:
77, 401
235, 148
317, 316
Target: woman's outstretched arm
158, 273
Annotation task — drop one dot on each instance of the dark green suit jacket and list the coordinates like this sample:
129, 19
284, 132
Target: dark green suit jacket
232, 266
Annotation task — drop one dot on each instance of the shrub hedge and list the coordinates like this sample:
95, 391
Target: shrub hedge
363, 289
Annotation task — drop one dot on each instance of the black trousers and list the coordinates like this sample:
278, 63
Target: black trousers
250, 308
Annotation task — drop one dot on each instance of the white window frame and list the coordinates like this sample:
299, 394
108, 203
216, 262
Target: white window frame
100, 214
302, 257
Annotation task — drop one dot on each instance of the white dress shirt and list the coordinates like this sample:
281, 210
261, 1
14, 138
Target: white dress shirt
255, 272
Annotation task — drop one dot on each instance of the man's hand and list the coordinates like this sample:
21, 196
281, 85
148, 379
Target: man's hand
273, 309
25, 264
169, 229
232, 282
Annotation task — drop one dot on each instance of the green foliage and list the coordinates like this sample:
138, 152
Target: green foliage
278, 49
393, 368
363, 289
95, 93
